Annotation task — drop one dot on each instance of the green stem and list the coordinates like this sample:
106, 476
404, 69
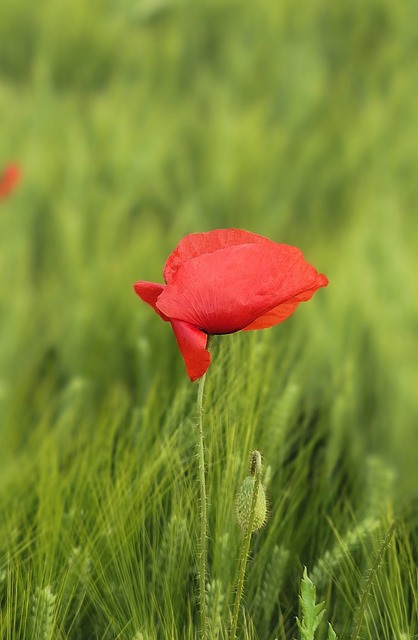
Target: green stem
244, 556
203, 509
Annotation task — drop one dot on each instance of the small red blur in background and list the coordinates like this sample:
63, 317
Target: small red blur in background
9, 180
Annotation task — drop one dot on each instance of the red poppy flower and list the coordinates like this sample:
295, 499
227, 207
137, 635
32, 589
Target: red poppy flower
9, 179
224, 281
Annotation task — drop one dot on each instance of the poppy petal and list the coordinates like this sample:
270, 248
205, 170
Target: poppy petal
197, 244
228, 289
284, 310
192, 344
9, 180
149, 293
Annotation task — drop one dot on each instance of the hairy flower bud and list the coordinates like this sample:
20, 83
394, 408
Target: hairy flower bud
244, 501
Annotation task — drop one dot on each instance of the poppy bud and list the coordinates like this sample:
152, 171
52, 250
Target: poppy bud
244, 499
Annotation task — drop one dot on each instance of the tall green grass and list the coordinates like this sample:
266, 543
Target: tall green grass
135, 124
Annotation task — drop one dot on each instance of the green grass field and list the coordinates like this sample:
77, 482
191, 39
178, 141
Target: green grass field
136, 123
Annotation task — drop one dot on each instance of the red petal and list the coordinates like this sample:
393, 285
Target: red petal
9, 180
229, 289
192, 344
284, 310
197, 244
149, 293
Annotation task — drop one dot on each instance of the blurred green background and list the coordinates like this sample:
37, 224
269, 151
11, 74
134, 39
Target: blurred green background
136, 123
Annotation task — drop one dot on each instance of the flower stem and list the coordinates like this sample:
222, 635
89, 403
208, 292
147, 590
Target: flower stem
244, 553
203, 510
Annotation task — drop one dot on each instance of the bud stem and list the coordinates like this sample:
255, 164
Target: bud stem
255, 470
